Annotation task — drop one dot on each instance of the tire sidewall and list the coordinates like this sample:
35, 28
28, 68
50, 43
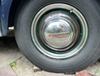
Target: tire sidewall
85, 57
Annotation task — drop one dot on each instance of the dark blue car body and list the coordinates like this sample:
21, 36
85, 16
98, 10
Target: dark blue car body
4, 14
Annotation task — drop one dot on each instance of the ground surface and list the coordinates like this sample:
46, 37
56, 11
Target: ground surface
13, 63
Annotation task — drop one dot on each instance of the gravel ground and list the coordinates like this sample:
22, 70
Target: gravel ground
18, 65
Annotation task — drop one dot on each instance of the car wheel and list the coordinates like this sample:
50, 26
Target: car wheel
59, 35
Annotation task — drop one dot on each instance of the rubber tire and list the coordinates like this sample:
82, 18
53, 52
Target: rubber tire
87, 56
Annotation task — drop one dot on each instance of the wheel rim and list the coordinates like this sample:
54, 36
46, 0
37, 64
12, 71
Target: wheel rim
59, 31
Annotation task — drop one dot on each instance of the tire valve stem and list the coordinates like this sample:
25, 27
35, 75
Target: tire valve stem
71, 11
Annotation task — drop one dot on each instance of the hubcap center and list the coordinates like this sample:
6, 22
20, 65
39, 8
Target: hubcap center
58, 32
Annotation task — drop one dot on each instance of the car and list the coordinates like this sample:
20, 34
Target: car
61, 36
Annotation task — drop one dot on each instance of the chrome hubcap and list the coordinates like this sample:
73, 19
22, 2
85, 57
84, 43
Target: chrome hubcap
59, 31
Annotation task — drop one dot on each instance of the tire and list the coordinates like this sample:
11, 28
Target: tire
82, 48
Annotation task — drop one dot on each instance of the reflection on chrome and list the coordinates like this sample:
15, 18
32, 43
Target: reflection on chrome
58, 31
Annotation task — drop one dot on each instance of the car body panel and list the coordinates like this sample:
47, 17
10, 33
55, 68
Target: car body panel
4, 14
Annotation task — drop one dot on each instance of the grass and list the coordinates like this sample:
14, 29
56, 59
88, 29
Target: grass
12, 64
97, 70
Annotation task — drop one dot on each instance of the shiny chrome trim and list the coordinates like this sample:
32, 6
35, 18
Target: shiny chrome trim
57, 31
71, 9
0, 33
